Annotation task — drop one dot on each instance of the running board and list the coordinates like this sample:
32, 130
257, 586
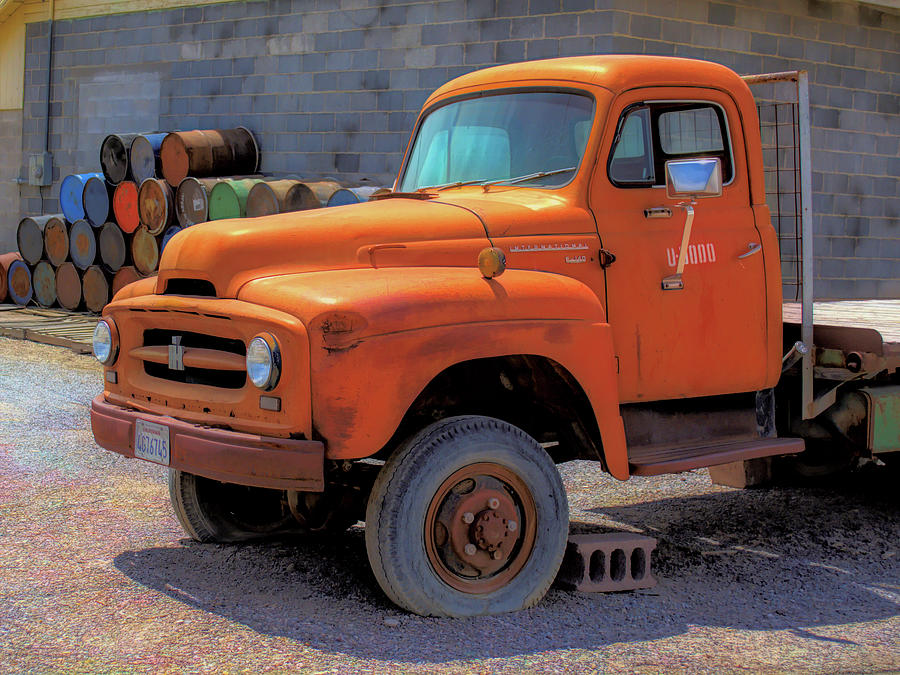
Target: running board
653, 461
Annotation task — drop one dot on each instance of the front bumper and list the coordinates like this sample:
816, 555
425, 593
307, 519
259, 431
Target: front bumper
227, 456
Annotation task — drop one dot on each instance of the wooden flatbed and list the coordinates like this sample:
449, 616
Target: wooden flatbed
880, 315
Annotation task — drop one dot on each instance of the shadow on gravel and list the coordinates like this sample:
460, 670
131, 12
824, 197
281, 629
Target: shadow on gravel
774, 559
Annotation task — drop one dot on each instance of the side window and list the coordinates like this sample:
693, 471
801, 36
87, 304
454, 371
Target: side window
652, 133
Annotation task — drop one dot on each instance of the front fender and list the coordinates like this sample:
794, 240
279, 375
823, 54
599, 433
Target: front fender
379, 336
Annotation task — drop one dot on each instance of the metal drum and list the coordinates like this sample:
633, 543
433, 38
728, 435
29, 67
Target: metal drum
156, 203
43, 281
123, 277
97, 198
115, 152
82, 244
213, 152
169, 233
355, 195
144, 251
228, 198
280, 196
30, 237
68, 286
95, 289
71, 194
144, 157
323, 190
113, 247
6, 260
56, 241
125, 206
18, 283
192, 200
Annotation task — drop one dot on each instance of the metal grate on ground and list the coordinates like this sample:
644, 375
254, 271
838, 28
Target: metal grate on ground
49, 326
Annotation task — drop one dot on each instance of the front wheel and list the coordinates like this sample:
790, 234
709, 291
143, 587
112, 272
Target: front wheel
468, 517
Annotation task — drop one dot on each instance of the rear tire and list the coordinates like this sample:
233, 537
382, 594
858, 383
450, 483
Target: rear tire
468, 517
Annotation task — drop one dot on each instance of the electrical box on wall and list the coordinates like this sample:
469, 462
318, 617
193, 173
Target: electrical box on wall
40, 169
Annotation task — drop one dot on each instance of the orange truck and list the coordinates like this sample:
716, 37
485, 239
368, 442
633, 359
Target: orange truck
576, 262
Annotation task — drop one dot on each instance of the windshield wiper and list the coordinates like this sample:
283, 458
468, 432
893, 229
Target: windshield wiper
447, 186
529, 176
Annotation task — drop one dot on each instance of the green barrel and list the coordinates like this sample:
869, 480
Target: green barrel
228, 198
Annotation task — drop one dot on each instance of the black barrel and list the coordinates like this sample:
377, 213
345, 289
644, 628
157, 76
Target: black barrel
115, 154
30, 236
144, 157
113, 247
97, 201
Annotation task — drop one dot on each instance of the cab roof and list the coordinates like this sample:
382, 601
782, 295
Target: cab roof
616, 72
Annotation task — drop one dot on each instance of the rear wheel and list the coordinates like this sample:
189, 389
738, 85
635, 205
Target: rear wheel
468, 517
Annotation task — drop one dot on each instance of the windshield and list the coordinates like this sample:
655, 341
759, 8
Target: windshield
502, 137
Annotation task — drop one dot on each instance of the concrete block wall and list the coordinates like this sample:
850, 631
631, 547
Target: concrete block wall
332, 87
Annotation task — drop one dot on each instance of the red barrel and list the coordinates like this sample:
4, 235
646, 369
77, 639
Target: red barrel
56, 241
125, 206
280, 196
30, 236
68, 286
43, 281
113, 247
156, 205
95, 289
6, 260
144, 251
126, 275
214, 152
82, 244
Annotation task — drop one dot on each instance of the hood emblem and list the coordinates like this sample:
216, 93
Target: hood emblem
176, 354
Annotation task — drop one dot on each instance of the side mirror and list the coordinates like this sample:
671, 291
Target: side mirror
694, 178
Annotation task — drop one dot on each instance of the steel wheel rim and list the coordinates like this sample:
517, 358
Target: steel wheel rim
480, 528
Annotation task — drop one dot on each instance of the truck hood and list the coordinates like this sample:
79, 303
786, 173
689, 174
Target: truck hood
443, 231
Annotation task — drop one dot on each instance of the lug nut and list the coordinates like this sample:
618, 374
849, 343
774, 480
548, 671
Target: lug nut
512, 526
494, 503
496, 555
468, 518
470, 549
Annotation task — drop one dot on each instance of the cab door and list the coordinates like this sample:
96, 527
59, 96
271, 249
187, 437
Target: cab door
708, 337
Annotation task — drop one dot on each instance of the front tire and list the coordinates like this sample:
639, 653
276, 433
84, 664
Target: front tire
468, 517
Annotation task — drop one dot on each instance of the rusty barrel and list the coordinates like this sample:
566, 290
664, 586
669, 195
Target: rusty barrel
354, 195
212, 152
192, 200
6, 260
170, 232
82, 244
94, 289
280, 196
97, 200
115, 153
43, 281
144, 157
68, 286
144, 251
228, 198
125, 206
126, 275
323, 189
56, 241
156, 203
18, 282
30, 236
71, 194
113, 247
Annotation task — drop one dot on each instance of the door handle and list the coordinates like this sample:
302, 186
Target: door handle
658, 212
753, 248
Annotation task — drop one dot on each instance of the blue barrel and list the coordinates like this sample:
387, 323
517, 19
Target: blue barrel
355, 195
144, 157
19, 283
97, 199
71, 194
168, 234
82, 244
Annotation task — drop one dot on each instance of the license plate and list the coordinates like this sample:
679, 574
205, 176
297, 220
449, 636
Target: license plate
151, 441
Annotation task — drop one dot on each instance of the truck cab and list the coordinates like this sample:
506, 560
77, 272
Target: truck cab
576, 261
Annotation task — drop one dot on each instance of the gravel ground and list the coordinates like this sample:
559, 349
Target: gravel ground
96, 576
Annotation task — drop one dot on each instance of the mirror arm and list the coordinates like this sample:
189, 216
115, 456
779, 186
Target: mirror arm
674, 282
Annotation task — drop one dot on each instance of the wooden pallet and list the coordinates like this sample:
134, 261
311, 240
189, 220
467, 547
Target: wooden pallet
48, 326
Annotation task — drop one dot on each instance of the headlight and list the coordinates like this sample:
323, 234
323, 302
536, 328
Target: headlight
264, 361
105, 342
